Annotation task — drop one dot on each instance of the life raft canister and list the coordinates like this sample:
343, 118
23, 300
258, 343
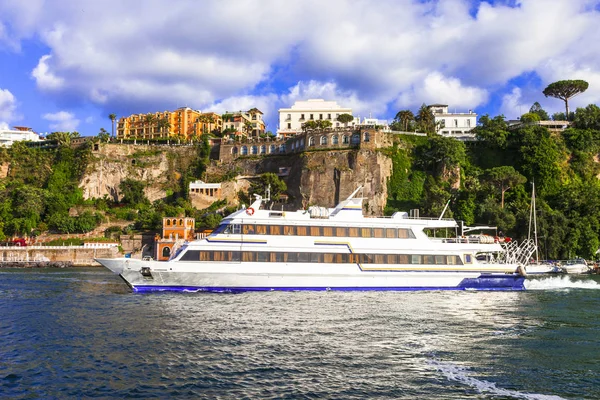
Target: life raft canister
250, 211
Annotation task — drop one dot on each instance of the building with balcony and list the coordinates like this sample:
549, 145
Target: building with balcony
18, 134
240, 124
453, 124
291, 119
183, 123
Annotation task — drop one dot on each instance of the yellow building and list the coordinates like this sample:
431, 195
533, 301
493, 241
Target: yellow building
184, 123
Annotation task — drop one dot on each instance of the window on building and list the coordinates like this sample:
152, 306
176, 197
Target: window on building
289, 125
311, 141
320, 116
366, 137
289, 117
263, 149
345, 140
468, 123
312, 116
323, 140
301, 117
244, 150
254, 150
166, 252
334, 139
328, 116
455, 123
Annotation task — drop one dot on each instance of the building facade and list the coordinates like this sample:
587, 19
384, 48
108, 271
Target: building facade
242, 124
174, 233
453, 124
291, 119
18, 134
183, 123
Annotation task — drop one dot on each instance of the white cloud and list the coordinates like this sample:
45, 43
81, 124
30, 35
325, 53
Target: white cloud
62, 121
513, 105
436, 88
8, 108
372, 57
45, 78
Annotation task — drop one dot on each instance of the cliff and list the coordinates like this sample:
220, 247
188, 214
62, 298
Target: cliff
159, 167
322, 177
319, 177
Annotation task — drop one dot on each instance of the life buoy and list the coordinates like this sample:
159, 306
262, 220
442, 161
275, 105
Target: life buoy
250, 211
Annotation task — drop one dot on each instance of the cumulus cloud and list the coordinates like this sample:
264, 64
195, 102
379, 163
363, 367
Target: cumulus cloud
513, 105
8, 108
62, 121
373, 58
436, 88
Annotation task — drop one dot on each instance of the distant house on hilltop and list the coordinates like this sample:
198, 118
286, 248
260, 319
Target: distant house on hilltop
453, 124
291, 119
18, 134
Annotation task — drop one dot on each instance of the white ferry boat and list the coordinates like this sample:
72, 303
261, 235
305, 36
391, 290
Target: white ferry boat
257, 249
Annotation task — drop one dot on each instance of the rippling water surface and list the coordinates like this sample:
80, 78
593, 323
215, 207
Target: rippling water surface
80, 333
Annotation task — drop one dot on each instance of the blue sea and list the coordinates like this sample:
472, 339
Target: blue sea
80, 333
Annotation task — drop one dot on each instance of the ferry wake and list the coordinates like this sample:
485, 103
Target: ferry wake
256, 249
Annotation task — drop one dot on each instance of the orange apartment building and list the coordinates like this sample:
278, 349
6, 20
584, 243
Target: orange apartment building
175, 231
183, 123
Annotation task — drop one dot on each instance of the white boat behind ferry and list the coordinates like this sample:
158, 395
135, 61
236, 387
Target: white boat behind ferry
331, 249
575, 266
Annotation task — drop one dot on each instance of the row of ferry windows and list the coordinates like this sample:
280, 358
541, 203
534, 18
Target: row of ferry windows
335, 258
330, 231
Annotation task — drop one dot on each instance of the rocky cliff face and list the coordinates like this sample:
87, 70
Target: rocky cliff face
315, 178
160, 167
324, 177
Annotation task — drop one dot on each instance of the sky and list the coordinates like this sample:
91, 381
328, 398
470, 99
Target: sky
65, 65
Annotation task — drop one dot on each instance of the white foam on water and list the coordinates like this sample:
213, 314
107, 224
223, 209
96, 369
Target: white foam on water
560, 282
461, 375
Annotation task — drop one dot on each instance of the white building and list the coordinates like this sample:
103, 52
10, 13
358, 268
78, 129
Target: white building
453, 124
381, 123
20, 133
291, 119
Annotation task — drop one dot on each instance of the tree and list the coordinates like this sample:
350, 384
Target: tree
309, 126
588, 117
536, 108
112, 118
405, 118
505, 178
530, 117
103, 136
345, 118
323, 124
163, 124
149, 120
425, 120
268, 178
565, 90
132, 191
492, 130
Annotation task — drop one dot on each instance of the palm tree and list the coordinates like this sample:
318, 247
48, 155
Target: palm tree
164, 124
149, 120
113, 118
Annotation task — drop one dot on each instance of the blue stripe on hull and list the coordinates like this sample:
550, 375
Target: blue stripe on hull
481, 283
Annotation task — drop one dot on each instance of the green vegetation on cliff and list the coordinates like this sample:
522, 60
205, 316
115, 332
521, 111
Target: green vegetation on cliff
488, 181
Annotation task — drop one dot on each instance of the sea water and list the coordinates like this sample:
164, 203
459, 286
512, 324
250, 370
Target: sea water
80, 333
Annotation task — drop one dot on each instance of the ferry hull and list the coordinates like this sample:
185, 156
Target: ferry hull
350, 279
